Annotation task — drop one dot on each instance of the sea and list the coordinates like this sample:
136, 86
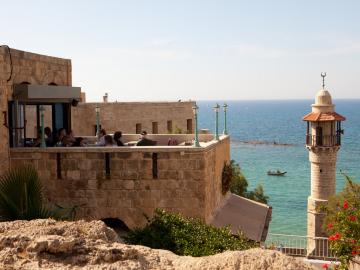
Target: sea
281, 122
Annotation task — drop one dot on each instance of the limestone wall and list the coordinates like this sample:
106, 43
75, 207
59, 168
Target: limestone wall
31, 68
323, 172
124, 116
186, 181
214, 163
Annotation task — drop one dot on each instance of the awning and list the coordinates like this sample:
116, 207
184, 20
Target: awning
251, 217
46, 93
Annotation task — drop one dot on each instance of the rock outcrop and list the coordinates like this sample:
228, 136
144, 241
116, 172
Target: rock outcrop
49, 244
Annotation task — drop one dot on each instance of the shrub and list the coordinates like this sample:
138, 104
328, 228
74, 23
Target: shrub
186, 236
342, 222
235, 181
21, 196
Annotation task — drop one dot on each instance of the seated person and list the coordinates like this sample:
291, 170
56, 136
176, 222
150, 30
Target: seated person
101, 138
68, 141
172, 141
80, 141
117, 138
71, 137
108, 140
49, 138
37, 141
144, 141
61, 137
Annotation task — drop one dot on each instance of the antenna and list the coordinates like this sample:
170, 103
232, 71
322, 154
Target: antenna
323, 75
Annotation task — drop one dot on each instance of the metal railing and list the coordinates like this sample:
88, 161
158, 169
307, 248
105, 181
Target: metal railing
325, 140
302, 246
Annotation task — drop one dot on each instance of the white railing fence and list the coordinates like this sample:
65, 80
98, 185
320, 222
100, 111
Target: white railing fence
304, 246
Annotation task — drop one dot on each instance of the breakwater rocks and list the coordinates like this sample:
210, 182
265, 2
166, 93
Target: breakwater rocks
48, 244
271, 143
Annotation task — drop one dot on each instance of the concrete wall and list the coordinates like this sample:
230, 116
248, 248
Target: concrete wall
123, 116
27, 67
188, 179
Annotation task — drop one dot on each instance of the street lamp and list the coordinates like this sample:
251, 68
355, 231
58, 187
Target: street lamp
97, 111
195, 111
216, 110
225, 106
42, 111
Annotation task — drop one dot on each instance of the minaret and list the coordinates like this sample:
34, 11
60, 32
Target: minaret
323, 140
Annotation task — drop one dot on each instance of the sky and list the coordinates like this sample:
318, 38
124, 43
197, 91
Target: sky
192, 49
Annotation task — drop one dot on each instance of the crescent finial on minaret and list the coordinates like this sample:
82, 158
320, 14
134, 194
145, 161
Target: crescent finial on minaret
323, 75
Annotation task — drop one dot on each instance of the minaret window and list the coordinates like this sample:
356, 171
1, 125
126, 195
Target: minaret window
319, 136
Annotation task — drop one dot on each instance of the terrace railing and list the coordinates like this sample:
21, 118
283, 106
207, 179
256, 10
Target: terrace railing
325, 140
295, 245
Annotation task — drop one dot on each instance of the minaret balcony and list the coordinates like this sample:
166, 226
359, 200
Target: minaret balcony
323, 141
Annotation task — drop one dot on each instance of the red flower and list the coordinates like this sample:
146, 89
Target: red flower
352, 241
346, 205
353, 251
325, 266
332, 238
330, 226
337, 236
352, 218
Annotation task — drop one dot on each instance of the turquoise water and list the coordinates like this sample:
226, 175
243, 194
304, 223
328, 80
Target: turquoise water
280, 121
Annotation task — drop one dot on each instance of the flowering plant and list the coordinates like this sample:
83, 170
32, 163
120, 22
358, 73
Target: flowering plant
342, 223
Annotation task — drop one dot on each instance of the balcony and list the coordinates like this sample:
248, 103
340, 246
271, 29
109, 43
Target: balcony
323, 141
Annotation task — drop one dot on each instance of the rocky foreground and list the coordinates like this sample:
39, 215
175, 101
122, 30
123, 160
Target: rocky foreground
48, 244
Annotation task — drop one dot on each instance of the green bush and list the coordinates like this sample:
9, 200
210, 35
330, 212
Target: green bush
21, 196
186, 236
235, 181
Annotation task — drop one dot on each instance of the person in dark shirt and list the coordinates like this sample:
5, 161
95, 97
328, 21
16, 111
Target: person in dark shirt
117, 138
108, 140
144, 141
49, 138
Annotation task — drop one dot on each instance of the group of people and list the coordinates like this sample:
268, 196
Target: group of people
107, 140
115, 140
61, 138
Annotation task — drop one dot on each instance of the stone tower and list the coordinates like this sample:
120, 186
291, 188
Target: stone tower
323, 140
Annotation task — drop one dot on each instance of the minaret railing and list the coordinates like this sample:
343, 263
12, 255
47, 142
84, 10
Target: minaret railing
323, 141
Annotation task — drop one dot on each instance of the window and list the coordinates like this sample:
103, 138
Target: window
138, 128
169, 126
155, 128
189, 126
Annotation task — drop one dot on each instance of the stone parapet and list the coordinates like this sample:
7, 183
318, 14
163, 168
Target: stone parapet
128, 182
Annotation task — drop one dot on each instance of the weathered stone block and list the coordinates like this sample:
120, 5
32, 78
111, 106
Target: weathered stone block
72, 175
132, 165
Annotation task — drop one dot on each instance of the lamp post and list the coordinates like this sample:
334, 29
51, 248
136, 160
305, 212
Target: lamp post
225, 106
97, 111
42, 110
216, 110
195, 111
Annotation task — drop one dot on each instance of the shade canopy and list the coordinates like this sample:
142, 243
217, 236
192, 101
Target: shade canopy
46, 93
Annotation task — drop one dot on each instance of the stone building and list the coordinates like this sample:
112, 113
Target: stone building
116, 182
323, 140
21, 69
134, 117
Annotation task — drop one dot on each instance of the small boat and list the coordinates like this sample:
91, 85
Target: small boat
276, 173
